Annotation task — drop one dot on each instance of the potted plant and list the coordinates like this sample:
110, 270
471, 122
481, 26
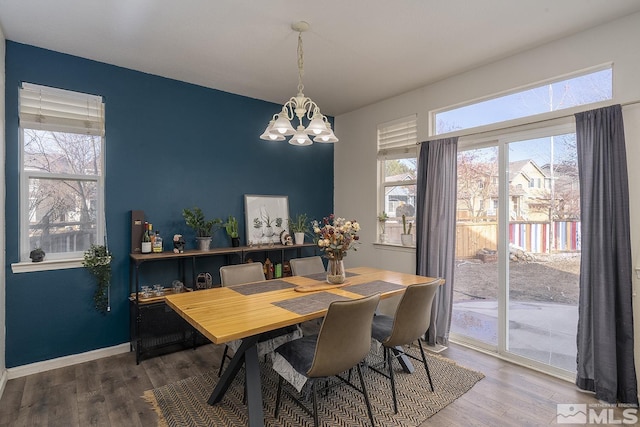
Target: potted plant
299, 226
204, 229
97, 259
406, 237
382, 221
37, 255
231, 226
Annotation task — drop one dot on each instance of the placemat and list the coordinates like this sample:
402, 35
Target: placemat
370, 288
310, 303
323, 276
260, 287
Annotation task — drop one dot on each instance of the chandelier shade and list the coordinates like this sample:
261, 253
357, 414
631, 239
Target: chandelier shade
302, 108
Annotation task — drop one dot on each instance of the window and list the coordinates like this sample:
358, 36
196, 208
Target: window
397, 160
62, 173
580, 90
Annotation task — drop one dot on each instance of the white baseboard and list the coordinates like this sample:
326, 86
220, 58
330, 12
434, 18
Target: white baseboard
3, 381
60, 362
438, 348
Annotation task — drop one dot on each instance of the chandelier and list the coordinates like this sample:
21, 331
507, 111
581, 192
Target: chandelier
301, 107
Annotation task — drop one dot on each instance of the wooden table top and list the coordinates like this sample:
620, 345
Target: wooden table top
229, 313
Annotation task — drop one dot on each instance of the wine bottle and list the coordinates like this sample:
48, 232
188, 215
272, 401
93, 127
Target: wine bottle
146, 240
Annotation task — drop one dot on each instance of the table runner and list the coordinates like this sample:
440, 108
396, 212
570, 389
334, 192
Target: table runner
370, 288
310, 303
323, 276
260, 287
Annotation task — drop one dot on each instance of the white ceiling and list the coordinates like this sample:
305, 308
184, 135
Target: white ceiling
357, 51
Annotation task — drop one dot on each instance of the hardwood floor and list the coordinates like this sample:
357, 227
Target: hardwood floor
107, 392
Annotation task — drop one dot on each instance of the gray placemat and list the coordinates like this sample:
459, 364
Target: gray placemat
260, 287
310, 303
370, 288
321, 277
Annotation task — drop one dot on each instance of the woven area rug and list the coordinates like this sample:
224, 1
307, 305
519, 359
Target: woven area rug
184, 403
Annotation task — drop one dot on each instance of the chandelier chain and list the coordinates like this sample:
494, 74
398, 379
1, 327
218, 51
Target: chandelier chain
300, 63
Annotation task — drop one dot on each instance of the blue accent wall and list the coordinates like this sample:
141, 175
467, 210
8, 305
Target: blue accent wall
169, 145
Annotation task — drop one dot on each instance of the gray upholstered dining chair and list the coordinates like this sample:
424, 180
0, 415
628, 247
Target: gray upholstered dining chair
247, 273
303, 267
307, 265
410, 323
343, 342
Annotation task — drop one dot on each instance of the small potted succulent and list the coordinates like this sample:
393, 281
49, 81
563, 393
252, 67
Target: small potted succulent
382, 221
204, 228
37, 255
231, 226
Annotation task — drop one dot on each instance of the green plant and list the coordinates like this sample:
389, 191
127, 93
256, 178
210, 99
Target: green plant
203, 228
231, 226
37, 255
382, 220
97, 259
299, 224
404, 225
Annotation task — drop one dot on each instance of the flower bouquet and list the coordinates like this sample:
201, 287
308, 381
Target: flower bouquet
335, 236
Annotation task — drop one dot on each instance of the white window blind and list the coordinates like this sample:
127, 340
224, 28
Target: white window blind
58, 110
397, 139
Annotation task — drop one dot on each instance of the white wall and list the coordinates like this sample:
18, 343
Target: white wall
355, 154
3, 371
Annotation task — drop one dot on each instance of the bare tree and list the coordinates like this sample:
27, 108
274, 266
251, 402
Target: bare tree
476, 186
56, 197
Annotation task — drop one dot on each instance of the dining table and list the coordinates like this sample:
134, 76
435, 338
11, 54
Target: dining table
245, 311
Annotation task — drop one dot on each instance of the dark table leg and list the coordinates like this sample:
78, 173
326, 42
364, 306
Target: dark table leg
406, 364
254, 387
247, 354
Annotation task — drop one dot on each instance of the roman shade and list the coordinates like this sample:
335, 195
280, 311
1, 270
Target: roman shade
398, 139
58, 110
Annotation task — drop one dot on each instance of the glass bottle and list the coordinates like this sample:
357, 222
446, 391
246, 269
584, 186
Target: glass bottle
152, 236
157, 243
146, 240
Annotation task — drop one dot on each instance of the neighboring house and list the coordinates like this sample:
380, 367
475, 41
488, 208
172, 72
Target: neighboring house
401, 199
529, 192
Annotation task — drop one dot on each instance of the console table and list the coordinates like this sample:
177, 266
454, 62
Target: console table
152, 324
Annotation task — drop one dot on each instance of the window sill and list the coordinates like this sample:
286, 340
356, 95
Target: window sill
57, 264
394, 247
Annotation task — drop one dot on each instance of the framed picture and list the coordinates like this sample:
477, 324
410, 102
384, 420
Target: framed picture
266, 218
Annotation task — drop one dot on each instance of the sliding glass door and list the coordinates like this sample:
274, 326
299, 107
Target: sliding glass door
518, 248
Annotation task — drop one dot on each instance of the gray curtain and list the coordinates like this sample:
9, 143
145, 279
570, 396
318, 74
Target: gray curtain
605, 325
436, 227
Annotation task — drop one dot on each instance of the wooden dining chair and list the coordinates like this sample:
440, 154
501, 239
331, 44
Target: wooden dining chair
343, 342
307, 265
410, 323
247, 273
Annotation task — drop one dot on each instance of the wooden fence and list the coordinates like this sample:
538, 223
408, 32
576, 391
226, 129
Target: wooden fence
534, 237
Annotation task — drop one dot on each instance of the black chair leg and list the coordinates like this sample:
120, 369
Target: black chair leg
314, 397
366, 395
224, 356
426, 367
278, 398
387, 353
